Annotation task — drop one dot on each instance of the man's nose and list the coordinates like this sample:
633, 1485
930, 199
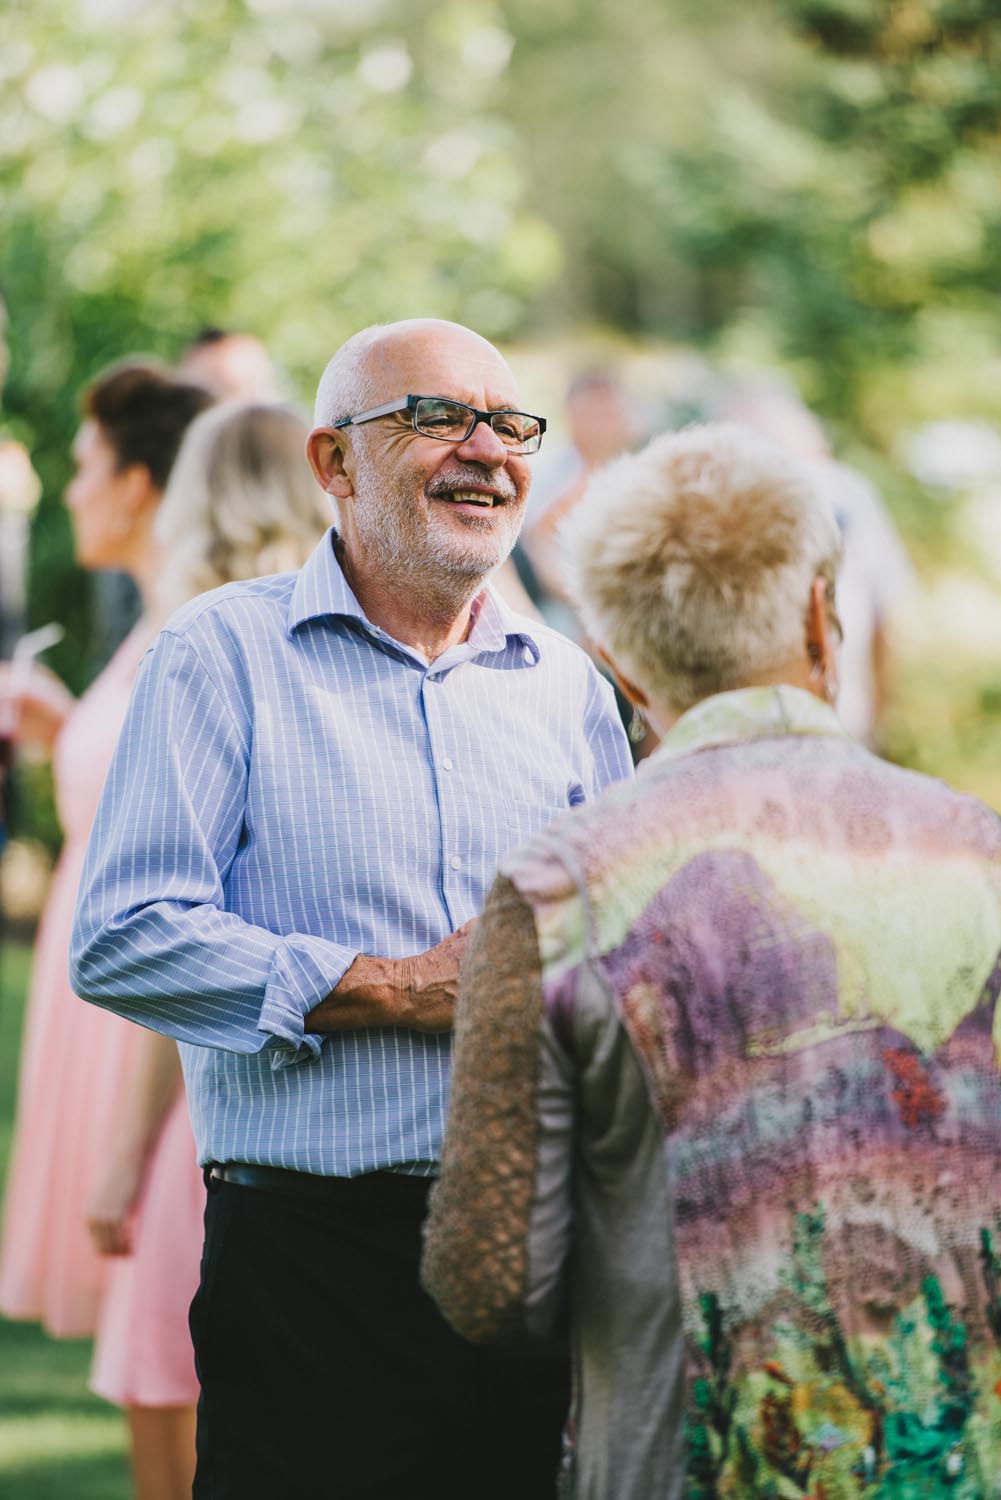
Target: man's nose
483, 446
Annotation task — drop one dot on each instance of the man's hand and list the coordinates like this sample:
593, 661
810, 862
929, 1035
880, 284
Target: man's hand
418, 993
429, 984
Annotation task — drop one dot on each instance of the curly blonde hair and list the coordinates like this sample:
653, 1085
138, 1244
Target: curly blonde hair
692, 561
241, 501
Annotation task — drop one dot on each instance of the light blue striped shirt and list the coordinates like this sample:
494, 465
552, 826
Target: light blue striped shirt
293, 787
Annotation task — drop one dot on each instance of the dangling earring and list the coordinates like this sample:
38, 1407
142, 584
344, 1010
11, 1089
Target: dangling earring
637, 727
819, 675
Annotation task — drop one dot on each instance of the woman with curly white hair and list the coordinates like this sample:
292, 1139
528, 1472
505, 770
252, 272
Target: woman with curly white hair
241, 501
725, 1075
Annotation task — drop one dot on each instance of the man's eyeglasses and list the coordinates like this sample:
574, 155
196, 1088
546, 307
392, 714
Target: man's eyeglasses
453, 421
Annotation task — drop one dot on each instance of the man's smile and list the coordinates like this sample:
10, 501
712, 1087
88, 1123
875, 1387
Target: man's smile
471, 491
484, 499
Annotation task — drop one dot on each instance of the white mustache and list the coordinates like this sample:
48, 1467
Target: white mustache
471, 478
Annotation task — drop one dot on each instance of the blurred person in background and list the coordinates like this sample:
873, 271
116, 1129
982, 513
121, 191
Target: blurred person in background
76, 1061
724, 1066
241, 501
233, 366
19, 492
601, 423
876, 575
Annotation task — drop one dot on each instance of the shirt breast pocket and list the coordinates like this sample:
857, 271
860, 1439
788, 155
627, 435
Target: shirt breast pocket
526, 818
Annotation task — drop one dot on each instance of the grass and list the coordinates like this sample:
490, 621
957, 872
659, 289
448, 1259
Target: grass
57, 1441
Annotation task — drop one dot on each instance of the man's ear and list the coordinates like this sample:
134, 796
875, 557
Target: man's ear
327, 451
635, 694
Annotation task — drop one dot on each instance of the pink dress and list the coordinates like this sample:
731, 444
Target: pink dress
73, 1061
143, 1355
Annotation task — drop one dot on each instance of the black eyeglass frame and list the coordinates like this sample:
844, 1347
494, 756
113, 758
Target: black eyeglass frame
409, 403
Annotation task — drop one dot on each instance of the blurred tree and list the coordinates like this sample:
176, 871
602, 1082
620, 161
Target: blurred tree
909, 93
814, 183
167, 165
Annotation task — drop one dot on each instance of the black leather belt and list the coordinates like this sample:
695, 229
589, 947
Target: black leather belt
390, 1191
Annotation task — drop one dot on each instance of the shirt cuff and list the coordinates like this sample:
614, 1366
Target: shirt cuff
303, 972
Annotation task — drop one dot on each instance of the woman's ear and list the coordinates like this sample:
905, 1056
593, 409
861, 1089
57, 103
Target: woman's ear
821, 647
326, 451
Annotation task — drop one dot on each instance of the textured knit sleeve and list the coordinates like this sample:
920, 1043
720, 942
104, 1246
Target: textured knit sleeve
496, 1236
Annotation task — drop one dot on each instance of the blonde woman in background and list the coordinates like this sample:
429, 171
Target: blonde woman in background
241, 502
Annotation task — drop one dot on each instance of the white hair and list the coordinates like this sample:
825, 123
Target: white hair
346, 385
693, 560
241, 501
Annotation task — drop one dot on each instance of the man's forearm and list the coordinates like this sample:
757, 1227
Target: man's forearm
417, 992
371, 993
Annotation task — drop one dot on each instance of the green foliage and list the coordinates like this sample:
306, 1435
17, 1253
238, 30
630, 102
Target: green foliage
33, 808
909, 96
813, 184
296, 176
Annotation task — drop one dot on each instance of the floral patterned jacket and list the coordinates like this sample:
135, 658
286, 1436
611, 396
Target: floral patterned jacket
726, 1075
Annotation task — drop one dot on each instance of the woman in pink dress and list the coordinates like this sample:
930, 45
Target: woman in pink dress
76, 1060
241, 501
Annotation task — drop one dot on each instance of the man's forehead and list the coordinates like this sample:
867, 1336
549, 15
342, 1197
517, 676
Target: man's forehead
467, 368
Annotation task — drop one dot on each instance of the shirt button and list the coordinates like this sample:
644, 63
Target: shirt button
527, 656
447, 763
455, 862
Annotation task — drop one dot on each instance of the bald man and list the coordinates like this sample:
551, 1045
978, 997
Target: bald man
233, 366
316, 781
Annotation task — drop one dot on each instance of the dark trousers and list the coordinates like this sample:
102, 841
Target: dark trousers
327, 1373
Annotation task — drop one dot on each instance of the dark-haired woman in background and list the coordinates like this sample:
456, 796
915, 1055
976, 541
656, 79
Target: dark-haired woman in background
76, 1058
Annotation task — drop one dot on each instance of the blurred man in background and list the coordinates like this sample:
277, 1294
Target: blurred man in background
875, 574
233, 366
601, 424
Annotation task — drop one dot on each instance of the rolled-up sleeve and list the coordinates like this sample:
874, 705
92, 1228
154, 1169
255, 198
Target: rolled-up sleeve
153, 940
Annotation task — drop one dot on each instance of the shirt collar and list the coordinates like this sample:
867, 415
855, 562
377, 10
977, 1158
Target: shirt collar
494, 624
749, 713
321, 591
